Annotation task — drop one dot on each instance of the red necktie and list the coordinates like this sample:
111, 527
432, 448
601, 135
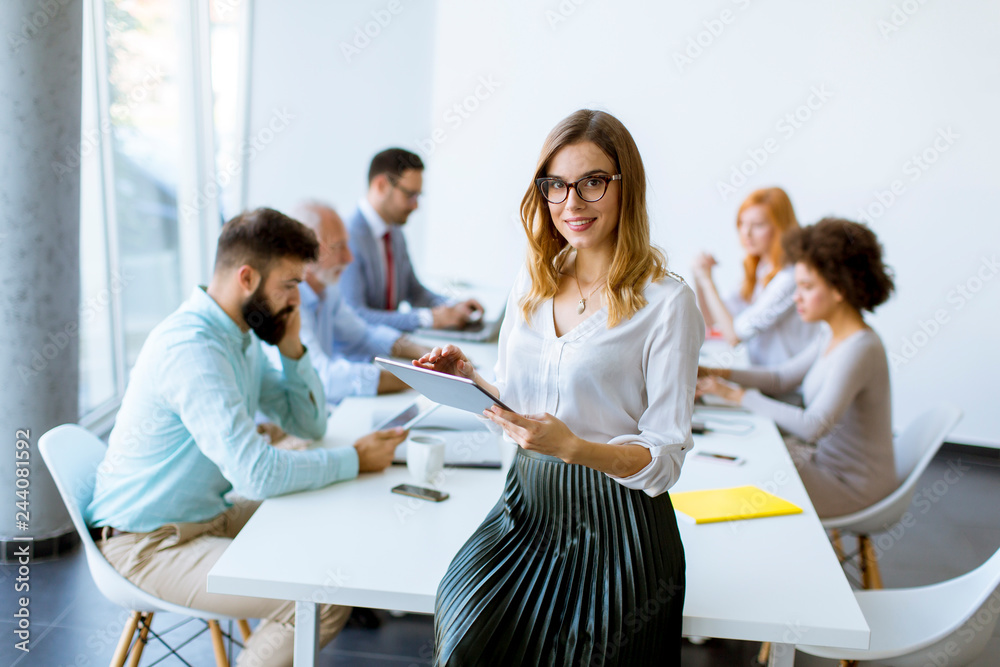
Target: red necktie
390, 274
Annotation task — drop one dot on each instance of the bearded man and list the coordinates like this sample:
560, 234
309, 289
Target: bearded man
185, 439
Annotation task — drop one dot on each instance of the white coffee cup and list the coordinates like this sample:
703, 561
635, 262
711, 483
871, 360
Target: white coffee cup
425, 457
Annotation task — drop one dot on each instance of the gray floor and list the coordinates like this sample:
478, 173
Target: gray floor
957, 529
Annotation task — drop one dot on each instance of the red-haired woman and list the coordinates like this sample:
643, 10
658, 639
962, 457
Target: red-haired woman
761, 313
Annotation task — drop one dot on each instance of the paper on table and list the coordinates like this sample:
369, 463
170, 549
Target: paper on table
732, 504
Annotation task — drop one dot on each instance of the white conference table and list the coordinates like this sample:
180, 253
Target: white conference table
355, 543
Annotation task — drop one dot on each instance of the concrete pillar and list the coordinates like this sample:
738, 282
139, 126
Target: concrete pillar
40, 84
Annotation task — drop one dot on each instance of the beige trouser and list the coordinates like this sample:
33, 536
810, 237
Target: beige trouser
829, 494
173, 561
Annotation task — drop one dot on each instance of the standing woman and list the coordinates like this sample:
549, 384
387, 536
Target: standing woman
761, 313
581, 562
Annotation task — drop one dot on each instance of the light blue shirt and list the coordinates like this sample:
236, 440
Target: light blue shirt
341, 344
185, 434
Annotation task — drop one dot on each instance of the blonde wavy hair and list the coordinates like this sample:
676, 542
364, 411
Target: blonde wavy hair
635, 259
779, 210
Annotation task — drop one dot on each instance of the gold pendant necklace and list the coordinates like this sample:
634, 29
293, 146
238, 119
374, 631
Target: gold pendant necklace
582, 305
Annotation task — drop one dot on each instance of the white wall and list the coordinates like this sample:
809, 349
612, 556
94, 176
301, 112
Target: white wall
694, 121
889, 95
349, 99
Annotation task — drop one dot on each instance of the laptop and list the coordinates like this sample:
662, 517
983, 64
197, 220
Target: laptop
478, 331
468, 443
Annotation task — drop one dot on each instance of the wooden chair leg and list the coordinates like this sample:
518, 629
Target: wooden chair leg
764, 654
871, 577
121, 652
147, 620
221, 660
244, 629
863, 562
838, 547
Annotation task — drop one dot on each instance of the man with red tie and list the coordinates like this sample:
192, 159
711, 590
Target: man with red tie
381, 276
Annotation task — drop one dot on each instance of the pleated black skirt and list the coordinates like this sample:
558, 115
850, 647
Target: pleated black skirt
569, 568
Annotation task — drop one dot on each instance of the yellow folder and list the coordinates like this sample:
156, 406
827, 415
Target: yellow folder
732, 504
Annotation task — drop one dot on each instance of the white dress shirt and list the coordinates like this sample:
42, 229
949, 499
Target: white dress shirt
769, 324
379, 228
631, 384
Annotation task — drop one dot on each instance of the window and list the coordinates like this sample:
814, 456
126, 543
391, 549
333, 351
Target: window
147, 226
228, 28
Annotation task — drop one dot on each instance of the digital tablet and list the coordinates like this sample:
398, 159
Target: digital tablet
408, 417
457, 392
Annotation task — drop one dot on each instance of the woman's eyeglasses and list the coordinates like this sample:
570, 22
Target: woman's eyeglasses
588, 188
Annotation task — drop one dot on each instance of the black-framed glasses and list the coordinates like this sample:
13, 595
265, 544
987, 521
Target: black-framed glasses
589, 188
410, 194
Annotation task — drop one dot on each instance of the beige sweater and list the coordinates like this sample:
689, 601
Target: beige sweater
847, 415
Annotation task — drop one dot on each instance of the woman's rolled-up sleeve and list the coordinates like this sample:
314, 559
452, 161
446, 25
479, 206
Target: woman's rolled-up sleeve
670, 373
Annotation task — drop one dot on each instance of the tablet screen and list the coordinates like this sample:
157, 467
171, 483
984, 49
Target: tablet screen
457, 392
400, 419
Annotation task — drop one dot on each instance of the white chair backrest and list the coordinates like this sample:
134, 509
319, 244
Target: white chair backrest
73, 454
970, 603
981, 584
914, 449
922, 439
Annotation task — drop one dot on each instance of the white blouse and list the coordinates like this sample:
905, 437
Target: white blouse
769, 325
631, 384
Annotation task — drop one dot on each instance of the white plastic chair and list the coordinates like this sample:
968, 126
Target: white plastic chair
948, 623
914, 449
72, 455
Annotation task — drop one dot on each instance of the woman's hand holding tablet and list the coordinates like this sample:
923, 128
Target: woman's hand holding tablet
458, 390
448, 359
451, 360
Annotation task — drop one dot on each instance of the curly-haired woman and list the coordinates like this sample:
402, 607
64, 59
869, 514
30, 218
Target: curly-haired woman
841, 441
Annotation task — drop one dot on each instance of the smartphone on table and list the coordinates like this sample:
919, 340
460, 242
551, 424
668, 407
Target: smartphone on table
420, 492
